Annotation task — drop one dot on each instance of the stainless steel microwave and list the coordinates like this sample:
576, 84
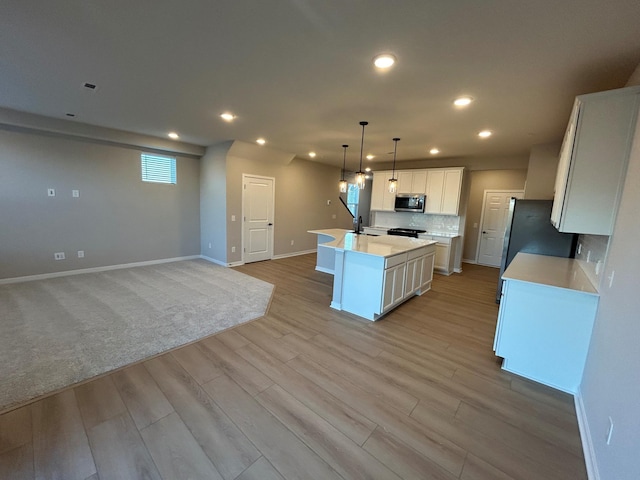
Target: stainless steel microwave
410, 203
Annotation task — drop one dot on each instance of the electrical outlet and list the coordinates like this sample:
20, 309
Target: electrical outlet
333, 216
291, 242
233, 249
58, 256
51, 192
328, 202
80, 253
209, 244
75, 193
233, 218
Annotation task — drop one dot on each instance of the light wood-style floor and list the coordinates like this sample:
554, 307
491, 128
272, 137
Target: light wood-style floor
308, 392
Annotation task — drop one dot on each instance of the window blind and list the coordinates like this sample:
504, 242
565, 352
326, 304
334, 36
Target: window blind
158, 169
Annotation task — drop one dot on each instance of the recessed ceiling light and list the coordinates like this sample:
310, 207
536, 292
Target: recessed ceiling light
368, 169
312, 154
384, 60
462, 101
261, 141
485, 133
173, 135
434, 151
227, 117
370, 157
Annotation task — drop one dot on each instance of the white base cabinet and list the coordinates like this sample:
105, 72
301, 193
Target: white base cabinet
447, 250
543, 332
371, 286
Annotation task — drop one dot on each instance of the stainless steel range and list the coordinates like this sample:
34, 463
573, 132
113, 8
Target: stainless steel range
405, 232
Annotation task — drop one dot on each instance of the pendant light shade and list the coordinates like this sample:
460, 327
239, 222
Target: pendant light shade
360, 175
393, 181
343, 183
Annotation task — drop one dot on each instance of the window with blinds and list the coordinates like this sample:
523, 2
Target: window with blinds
158, 169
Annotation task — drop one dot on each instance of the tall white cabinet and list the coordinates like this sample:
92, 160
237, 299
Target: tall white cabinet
593, 161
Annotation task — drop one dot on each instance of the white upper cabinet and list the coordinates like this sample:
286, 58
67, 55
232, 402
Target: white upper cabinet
593, 161
441, 185
412, 181
444, 186
381, 199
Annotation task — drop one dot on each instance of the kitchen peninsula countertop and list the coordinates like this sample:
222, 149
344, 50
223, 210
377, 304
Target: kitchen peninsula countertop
552, 271
381, 246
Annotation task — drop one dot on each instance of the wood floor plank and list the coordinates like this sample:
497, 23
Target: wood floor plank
523, 442
194, 361
17, 464
393, 376
341, 453
369, 382
402, 459
175, 452
497, 453
15, 429
119, 451
229, 450
232, 339
281, 447
431, 444
261, 470
233, 365
259, 335
342, 416
99, 400
60, 444
140, 393
477, 469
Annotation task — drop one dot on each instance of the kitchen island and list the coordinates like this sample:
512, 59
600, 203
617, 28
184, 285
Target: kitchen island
374, 274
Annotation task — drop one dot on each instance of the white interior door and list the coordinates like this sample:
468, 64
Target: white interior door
493, 223
257, 214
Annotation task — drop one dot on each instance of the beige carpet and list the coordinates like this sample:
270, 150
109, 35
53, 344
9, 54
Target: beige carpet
57, 332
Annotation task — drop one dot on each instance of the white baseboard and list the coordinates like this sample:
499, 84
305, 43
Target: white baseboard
44, 276
294, 254
235, 264
325, 270
468, 260
458, 270
585, 436
213, 260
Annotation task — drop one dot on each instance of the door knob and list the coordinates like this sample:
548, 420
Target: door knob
271, 224
484, 232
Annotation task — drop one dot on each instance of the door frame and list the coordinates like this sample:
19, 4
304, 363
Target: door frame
484, 204
245, 176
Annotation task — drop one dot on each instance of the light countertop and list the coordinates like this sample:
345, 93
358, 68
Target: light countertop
546, 270
381, 246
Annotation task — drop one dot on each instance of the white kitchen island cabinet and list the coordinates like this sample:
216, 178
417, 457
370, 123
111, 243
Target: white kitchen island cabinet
546, 316
373, 275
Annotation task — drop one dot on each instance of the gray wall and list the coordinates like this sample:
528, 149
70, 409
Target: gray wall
117, 218
479, 181
541, 174
611, 382
302, 189
213, 202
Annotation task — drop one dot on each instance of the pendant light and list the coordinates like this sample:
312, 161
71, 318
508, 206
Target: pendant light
360, 175
393, 181
343, 182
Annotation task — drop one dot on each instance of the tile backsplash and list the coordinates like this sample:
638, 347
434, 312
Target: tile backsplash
430, 223
593, 252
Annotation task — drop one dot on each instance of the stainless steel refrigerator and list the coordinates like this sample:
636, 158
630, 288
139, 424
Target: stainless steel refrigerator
529, 230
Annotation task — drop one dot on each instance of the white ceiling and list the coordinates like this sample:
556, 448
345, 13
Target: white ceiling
299, 72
